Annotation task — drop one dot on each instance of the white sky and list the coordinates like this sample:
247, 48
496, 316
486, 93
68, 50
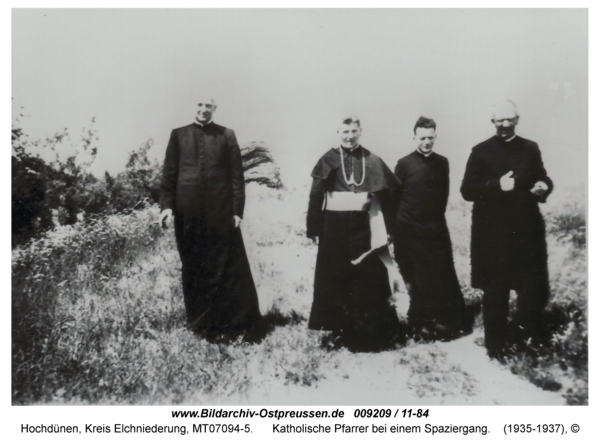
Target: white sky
287, 76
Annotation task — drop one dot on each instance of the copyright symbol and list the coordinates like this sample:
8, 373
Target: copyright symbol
575, 428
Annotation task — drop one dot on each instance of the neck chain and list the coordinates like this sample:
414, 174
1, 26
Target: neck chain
352, 181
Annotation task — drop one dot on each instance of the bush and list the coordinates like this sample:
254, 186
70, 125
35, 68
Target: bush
41, 187
259, 165
571, 227
63, 191
559, 359
30, 211
140, 182
53, 274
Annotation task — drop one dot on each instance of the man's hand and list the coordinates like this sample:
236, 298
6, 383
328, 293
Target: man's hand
539, 188
315, 240
507, 182
391, 250
237, 221
165, 217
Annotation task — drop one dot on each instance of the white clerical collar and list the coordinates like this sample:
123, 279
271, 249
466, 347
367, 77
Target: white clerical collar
350, 149
508, 140
203, 124
424, 154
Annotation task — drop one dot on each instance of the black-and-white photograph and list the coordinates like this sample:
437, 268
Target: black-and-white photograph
293, 207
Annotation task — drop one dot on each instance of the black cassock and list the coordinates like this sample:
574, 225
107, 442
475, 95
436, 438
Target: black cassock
422, 242
203, 183
508, 241
351, 300
508, 244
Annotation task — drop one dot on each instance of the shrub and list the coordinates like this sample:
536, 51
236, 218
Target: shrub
30, 211
559, 359
259, 165
52, 273
571, 227
40, 187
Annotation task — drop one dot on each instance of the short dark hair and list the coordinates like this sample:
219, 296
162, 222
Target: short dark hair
424, 122
349, 120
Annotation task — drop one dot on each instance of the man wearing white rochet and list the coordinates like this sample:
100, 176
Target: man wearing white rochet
349, 208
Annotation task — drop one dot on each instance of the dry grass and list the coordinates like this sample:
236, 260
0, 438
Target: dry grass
98, 316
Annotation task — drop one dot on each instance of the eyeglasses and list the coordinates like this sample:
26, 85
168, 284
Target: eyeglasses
502, 121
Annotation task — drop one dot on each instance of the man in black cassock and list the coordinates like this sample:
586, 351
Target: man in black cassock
203, 188
349, 209
422, 244
505, 179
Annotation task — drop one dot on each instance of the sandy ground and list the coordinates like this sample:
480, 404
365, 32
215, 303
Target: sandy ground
379, 379
447, 373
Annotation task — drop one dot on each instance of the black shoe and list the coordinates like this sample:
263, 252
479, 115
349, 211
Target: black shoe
445, 333
422, 334
498, 354
331, 341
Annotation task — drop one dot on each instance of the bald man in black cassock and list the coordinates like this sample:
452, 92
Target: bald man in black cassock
203, 187
505, 179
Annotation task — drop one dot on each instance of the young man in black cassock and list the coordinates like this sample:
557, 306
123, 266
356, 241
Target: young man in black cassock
422, 244
505, 179
349, 208
203, 188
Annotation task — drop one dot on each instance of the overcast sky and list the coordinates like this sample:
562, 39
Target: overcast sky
286, 77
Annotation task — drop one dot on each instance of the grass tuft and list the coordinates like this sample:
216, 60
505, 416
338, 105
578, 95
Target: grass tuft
98, 315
